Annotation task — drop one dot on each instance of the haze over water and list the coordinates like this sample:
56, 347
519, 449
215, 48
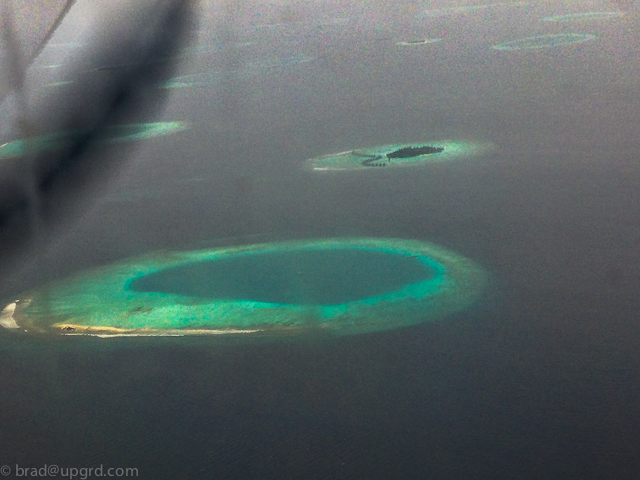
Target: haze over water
537, 380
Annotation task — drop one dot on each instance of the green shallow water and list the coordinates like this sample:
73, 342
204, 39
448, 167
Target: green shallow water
397, 156
56, 141
545, 41
307, 287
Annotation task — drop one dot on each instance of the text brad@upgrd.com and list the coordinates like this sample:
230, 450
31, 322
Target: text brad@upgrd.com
80, 473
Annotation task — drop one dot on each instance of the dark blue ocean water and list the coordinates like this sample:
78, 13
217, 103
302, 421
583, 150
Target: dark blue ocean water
539, 380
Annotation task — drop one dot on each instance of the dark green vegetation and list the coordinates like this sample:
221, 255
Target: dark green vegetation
409, 152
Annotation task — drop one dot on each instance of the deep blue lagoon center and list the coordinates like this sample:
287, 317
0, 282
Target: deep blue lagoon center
335, 286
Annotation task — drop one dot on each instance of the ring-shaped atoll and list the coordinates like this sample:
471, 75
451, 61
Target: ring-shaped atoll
243, 72
467, 9
396, 156
337, 286
414, 43
52, 142
545, 41
583, 17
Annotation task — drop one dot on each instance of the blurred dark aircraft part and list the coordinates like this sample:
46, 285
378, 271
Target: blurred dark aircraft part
123, 51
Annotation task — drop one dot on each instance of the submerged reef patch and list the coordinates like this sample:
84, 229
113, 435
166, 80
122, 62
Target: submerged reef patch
52, 142
411, 43
338, 286
545, 41
582, 17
